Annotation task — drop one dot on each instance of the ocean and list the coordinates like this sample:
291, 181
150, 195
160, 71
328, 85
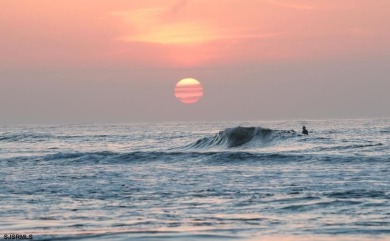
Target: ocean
237, 180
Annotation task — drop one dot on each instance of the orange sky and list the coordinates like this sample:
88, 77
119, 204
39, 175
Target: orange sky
188, 33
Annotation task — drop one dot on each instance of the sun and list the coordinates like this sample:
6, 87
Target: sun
188, 91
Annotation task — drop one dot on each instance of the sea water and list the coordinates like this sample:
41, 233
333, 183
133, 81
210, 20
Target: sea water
197, 181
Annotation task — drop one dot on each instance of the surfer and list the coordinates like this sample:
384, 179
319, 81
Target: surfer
304, 131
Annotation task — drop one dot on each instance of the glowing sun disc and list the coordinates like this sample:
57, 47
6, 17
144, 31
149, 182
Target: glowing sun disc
189, 91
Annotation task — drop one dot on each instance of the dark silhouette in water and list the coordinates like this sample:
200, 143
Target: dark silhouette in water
304, 131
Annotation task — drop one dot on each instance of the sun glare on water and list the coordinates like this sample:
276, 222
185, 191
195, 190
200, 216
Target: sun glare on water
189, 91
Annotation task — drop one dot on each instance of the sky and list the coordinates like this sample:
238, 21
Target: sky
71, 61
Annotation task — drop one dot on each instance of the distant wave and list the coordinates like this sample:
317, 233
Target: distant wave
240, 136
347, 147
21, 137
36, 137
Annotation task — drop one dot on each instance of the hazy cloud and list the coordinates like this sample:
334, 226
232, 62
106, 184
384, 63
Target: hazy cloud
303, 5
178, 6
170, 14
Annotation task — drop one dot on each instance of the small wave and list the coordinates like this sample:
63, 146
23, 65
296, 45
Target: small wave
36, 137
210, 157
24, 137
347, 147
107, 157
240, 136
112, 157
358, 194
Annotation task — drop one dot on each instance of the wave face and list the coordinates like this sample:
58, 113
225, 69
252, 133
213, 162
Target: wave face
244, 136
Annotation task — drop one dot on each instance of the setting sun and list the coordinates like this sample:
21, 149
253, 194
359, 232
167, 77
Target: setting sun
189, 91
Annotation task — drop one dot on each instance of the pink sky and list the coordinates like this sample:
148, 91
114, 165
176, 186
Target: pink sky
117, 55
185, 33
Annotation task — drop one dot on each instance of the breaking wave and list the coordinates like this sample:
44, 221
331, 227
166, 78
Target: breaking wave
244, 136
